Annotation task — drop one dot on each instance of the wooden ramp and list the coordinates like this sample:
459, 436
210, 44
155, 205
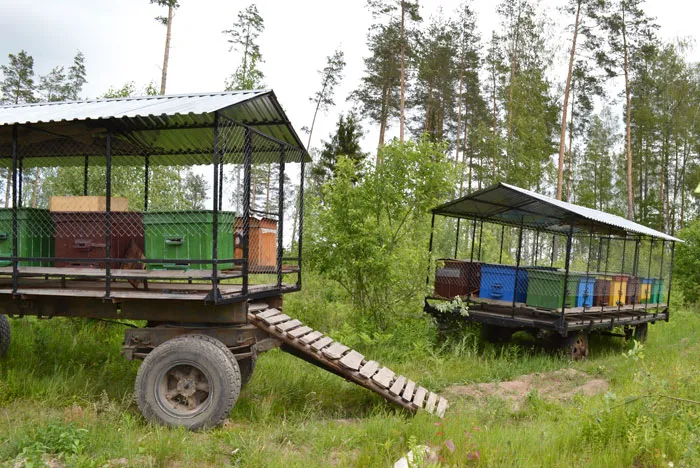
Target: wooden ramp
335, 357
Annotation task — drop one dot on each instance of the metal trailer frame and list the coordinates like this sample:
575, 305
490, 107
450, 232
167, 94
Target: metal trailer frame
516, 208
203, 304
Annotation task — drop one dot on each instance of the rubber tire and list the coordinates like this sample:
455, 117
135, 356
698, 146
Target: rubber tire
641, 331
572, 347
496, 334
5, 335
210, 355
247, 366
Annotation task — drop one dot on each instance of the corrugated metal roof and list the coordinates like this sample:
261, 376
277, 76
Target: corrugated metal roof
172, 129
509, 204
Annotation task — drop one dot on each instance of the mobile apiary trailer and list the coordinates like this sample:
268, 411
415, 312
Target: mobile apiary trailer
518, 260
204, 263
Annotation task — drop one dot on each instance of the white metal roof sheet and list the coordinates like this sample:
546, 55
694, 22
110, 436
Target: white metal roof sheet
95, 109
510, 204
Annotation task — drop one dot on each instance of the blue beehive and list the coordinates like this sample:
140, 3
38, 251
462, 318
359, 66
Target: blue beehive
584, 295
498, 282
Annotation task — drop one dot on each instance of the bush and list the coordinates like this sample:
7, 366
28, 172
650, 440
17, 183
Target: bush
687, 262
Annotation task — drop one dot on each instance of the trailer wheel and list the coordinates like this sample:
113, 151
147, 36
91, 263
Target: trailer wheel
5, 335
495, 333
640, 332
575, 345
247, 366
189, 381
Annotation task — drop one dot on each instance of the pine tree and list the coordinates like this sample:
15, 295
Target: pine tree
627, 28
379, 93
243, 38
77, 77
331, 75
402, 13
345, 142
18, 85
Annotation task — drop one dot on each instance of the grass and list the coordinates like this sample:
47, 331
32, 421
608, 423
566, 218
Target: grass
66, 397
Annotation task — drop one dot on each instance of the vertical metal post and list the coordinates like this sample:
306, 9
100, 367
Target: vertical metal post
20, 181
586, 294
471, 255
661, 274
301, 212
108, 216
670, 282
457, 237
635, 273
85, 176
215, 216
607, 289
15, 263
537, 248
651, 282
481, 234
430, 248
622, 272
567, 265
146, 179
280, 220
245, 237
517, 264
500, 254
221, 184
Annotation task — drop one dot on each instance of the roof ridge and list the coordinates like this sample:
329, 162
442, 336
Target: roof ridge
137, 98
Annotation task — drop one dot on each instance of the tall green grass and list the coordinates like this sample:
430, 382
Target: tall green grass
66, 394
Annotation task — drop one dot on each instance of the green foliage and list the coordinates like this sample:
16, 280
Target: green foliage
370, 236
686, 265
18, 84
345, 142
243, 38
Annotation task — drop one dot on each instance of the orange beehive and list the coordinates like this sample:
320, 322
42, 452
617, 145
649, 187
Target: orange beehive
262, 244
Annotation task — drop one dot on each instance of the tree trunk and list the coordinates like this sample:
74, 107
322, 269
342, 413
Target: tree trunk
513, 65
459, 111
570, 173
403, 74
166, 55
464, 156
384, 117
562, 137
630, 191
494, 167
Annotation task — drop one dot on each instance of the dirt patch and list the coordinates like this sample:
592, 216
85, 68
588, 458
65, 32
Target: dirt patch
561, 385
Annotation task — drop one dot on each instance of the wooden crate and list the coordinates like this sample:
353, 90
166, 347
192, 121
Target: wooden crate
87, 203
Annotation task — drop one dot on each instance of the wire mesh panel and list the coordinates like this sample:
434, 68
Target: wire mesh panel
104, 204
560, 271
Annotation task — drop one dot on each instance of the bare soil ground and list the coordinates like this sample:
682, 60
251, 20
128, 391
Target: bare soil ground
560, 385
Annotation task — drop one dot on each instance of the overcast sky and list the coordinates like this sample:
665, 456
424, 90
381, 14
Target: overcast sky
122, 42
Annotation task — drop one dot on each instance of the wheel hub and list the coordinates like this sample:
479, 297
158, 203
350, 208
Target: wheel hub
184, 390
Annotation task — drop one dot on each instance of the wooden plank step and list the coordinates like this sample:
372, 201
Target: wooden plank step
322, 343
398, 385
419, 398
299, 332
369, 369
277, 319
383, 377
430, 404
286, 326
407, 394
268, 313
335, 351
441, 407
352, 360
311, 337
258, 307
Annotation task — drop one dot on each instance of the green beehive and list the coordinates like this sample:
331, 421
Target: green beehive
35, 235
546, 287
657, 291
179, 236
